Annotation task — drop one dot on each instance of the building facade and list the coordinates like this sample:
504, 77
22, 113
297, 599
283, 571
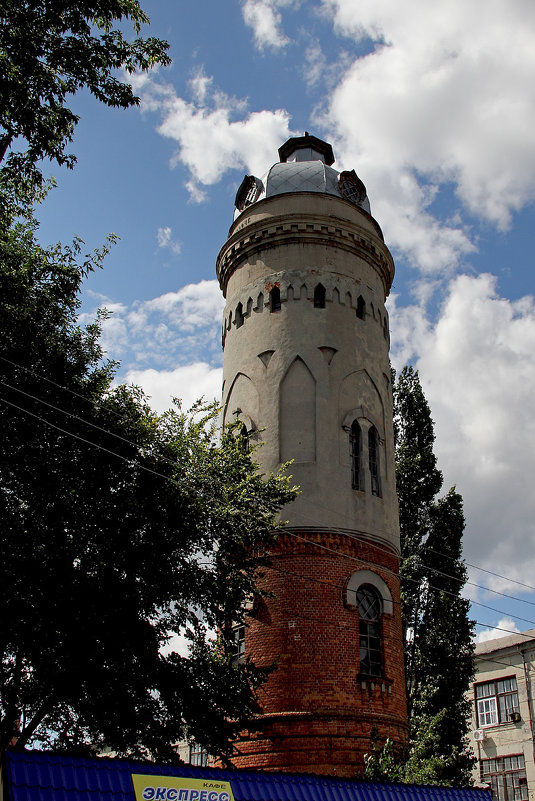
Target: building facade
305, 273
502, 716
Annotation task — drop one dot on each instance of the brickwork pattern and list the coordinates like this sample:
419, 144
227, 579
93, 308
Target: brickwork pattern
318, 710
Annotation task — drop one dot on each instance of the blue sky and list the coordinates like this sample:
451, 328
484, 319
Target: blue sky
433, 104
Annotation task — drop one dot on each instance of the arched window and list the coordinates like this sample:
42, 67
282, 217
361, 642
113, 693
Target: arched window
319, 297
354, 454
244, 434
238, 317
370, 608
361, 307
373, 460
275, 299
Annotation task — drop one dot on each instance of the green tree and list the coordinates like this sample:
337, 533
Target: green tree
119, 527
438, 633
421, 764
49, 49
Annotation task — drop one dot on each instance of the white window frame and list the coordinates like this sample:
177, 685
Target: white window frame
487, 712
496, 707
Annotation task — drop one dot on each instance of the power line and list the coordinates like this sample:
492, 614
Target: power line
92, 444
414, 581
76, 417
301, 577
167, 478
433, 570
438, 553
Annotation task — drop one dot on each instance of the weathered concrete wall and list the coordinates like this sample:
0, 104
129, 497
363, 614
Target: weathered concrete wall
301, 375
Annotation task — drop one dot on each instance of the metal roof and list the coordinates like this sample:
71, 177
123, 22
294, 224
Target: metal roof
509, 641
39, 776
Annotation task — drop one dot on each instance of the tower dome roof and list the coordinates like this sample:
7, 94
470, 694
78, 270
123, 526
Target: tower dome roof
305, 166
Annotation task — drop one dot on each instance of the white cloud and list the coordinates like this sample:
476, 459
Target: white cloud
164, 237
189, 383
200, 85
264, 17
176, 328
445, 97
506, 623
214, 132
477, 367
316, 70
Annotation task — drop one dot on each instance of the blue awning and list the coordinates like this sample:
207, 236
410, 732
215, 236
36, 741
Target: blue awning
39, 776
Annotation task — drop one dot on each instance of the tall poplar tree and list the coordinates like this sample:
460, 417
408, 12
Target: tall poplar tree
438, 633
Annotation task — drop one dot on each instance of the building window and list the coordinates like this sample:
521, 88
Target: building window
275, 299
238, 317
351, 187
496, 702
237, 647
248, 192
198, 755
506, 776
354, 452
361, 308
319, 297
370, 610
244, 434
373, 459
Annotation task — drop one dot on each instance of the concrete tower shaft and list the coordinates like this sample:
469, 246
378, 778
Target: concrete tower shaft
306, 273
304, 367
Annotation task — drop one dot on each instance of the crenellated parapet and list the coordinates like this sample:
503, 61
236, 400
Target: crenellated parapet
307, 286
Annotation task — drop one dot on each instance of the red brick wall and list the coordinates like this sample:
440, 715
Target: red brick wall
317, 713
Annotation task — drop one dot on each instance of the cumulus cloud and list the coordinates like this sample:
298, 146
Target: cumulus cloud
504, 627
214, 132
477, 366
444, 97
190, 383
164, 237
264, 17
317, 70
175, 329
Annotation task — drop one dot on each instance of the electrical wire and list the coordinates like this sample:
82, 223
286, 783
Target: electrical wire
92, 444
438, 553
414, 581
433, 570
167, 478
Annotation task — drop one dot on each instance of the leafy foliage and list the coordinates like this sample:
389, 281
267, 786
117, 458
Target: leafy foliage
119, 528
420, 765
438, 634
49, 49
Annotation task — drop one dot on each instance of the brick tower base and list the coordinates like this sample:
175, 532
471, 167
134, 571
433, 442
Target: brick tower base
319, 712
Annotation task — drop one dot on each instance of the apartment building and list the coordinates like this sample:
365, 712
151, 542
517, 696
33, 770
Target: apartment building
502, 716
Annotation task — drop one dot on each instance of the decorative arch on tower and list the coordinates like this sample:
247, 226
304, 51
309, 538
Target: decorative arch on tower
361, 577
362, 433
369, 594
242, 404
297, 421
